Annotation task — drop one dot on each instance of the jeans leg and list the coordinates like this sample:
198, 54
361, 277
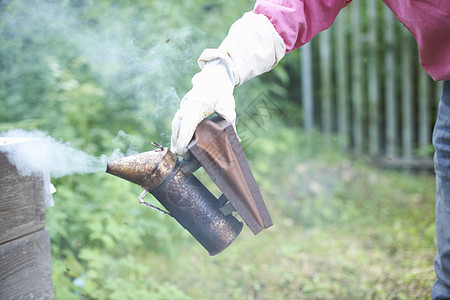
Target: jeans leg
441, 142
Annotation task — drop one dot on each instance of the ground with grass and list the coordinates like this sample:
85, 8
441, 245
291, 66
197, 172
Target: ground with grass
342, 230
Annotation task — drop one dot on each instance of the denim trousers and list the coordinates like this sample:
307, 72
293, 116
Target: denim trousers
441, 143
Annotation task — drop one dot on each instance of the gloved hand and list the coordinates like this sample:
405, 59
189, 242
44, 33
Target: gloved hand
251, 48
212, 91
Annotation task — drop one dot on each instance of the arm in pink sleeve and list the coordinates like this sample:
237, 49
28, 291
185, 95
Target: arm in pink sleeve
298, 21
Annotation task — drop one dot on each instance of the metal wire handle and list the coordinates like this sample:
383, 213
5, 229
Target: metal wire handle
141, 201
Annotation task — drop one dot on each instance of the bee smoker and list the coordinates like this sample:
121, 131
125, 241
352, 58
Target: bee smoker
209, 220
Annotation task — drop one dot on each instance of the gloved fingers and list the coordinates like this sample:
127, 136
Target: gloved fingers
186, 130
226, 109
212, 90
175, 131
184, 124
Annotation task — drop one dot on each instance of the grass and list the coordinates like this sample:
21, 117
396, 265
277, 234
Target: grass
343, 230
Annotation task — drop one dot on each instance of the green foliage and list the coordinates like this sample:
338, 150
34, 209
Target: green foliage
98, 230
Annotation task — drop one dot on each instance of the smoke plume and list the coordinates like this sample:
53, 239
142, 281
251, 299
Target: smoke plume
31, 152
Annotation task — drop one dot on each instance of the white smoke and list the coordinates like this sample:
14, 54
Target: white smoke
138, 64
132, 60
31, 152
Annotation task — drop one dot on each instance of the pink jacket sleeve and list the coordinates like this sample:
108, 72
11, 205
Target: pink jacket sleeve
299, 21
429, 23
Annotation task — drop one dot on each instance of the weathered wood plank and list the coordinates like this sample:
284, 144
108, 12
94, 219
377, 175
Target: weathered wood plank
25, 268
22, 208
372, 81
342, 81
357, 80
325, 81
407, 92
391, 136
307, 87
424, 110
409, 163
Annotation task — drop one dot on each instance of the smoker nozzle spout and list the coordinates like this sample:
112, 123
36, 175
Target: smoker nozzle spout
147, 169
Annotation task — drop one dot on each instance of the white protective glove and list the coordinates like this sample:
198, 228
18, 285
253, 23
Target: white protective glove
212, 91
251, 48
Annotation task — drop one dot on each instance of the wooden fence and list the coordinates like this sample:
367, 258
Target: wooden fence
25, 258
362, 81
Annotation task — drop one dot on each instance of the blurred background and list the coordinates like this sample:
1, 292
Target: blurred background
338, 136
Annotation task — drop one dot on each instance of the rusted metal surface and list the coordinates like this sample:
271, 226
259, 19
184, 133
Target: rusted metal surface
147, 169
197, 210
219, 151
185, 198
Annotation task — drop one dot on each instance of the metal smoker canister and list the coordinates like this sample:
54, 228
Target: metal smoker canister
182, 194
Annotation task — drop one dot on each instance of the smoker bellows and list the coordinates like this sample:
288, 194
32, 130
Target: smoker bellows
216, 148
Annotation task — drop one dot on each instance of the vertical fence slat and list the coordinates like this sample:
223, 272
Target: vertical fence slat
424, 109
390, 87
357, 97
307, 87
325, 75
407, 121
341, 80
372, 81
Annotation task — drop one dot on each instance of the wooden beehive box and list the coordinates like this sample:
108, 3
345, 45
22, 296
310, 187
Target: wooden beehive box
25, 260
